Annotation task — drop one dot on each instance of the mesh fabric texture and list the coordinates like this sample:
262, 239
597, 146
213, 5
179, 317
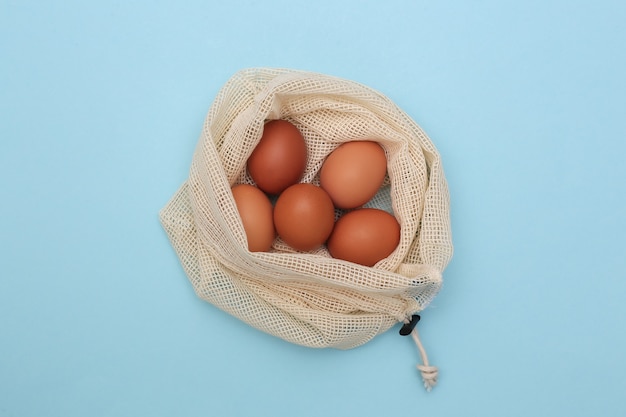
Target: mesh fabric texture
310, 298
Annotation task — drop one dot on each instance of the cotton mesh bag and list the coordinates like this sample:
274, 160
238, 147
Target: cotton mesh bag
310, 298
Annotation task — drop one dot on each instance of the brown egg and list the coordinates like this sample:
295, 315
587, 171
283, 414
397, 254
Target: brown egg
353, 173
279, 159
364, 236
304, 216
256, 215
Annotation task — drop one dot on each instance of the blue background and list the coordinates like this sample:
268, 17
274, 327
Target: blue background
101, 107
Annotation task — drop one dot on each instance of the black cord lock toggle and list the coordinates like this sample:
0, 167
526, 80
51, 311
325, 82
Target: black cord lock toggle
407, 328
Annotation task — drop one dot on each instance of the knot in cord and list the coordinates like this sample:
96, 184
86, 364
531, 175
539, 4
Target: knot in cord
429, 373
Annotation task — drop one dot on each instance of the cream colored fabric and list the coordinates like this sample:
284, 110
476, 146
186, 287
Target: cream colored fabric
310, 298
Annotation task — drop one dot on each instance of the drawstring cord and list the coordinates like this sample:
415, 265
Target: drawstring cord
429, 373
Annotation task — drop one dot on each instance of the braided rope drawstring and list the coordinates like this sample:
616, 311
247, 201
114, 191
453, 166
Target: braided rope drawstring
429, 373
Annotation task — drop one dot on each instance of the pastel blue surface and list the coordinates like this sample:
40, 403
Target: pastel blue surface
101, 105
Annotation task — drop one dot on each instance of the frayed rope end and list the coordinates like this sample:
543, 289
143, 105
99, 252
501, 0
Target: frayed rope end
429, 375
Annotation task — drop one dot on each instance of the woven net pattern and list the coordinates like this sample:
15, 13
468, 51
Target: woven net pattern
310, 298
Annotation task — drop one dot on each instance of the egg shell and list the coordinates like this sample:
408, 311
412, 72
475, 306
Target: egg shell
353, 173
256, 212
364, 236
279, 159
304, 216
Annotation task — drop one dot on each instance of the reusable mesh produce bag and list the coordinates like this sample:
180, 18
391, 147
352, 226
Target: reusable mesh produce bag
311, 299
